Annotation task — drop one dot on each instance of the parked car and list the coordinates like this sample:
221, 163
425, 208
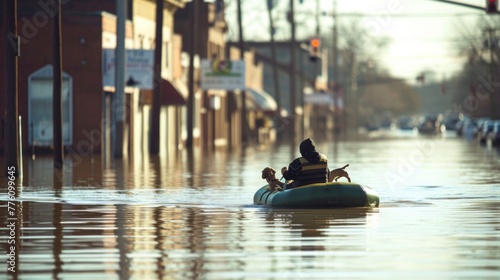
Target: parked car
459, 126
431, 124
479, 125
487, 127
406, 123
468, 127
465, 125
494, 135
450, 122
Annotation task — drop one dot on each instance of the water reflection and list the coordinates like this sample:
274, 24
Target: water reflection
315, 224
191, 216
123, 244
174, 242
57, 246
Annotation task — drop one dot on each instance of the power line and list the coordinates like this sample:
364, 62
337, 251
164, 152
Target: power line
461, 4
408, 15
443, 39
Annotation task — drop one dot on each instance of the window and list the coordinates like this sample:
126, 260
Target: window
40, 130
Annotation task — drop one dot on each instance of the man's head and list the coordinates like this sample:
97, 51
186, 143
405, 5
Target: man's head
307, 146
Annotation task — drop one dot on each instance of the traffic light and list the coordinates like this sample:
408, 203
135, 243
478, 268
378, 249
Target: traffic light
491, 6
314, 46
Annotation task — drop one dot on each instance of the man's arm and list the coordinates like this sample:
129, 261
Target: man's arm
293, 169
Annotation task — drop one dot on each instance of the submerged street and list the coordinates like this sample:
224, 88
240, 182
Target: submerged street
135, 135
192, 216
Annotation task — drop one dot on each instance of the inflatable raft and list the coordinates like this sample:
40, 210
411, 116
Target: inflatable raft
320, 195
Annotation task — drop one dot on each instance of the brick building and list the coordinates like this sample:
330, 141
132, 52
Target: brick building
88, 27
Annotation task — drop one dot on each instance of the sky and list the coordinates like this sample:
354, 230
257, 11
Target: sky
422, 33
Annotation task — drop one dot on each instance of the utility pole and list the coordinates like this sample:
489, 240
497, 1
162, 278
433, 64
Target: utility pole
490, 31
276, 80
192, 52
244, 121
335, 76
119, 96
11, 87
157, 92
354, 89
302, 126
317, 20
292, 68
57, 89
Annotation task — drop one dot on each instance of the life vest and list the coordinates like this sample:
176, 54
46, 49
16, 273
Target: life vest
313, 172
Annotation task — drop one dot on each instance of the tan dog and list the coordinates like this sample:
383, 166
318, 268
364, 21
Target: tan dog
335, 174
269, 174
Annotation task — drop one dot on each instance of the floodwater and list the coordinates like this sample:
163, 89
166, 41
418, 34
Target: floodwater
192, 216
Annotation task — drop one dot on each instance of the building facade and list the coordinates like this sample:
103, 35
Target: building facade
88, 29
88, 38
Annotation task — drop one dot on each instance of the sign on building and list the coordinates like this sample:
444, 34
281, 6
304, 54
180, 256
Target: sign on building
219, 74
139, 68
318, 98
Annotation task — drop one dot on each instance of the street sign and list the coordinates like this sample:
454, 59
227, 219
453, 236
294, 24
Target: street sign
219, 74
139, 68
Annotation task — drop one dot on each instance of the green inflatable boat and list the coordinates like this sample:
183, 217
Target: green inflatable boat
320, 195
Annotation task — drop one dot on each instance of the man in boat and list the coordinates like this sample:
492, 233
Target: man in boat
311, 167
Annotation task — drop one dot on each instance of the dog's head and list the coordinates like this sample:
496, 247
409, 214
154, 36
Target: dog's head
268, 173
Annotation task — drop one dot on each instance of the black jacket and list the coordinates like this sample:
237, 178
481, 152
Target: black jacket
304, 172
312, 167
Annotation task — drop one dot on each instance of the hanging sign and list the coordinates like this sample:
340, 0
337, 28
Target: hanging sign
220, 74
139, 68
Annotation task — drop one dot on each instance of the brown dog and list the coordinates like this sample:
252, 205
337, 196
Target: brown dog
335, 174
269, 174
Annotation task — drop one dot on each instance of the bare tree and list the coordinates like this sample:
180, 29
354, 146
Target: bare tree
475, 85
370, 90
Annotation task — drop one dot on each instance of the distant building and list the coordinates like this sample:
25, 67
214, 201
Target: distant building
218, 114
433, 100
88, 30
309, 75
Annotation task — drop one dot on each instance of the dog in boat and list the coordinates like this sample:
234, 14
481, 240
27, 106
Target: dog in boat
269, 174
339, 173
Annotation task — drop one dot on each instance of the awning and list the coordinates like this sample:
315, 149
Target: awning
262, 100
173, 94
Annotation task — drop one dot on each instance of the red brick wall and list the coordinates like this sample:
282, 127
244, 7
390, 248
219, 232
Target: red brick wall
82, 60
